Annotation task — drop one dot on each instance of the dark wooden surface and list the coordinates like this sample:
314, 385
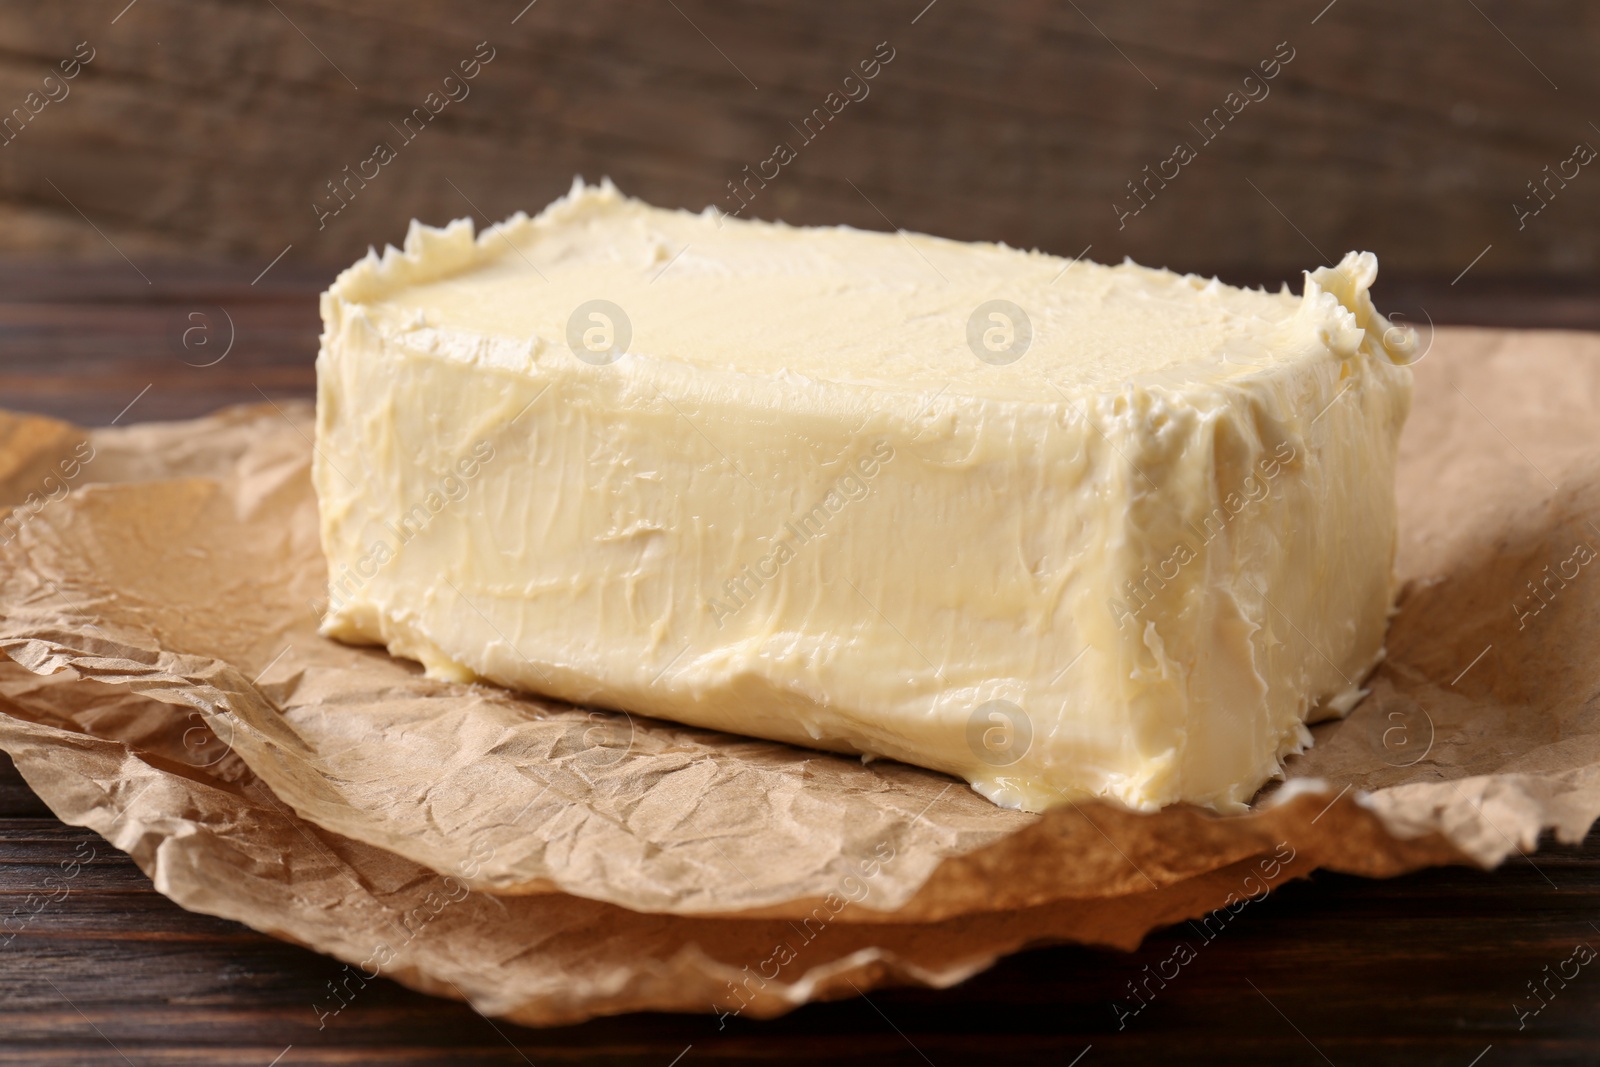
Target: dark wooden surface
101, 969
210, 127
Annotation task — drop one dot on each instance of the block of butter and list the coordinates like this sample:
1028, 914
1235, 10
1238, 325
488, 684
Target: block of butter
1064, 530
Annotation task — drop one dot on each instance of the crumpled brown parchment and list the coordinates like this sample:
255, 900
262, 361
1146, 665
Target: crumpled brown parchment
169, 691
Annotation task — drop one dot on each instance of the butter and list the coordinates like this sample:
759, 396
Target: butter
1061, 529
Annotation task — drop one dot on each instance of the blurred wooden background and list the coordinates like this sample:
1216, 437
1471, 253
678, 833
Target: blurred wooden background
206, 130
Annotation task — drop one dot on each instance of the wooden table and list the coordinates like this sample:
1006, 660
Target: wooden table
1418, 970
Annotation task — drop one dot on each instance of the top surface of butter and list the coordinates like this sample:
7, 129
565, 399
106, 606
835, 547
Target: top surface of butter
835, 304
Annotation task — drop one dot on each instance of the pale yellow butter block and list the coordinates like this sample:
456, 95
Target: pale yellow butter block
1062, 529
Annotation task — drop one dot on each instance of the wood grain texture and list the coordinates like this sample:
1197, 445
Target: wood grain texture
209, 128
97, 968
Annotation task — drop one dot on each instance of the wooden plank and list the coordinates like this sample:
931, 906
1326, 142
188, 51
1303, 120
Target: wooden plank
208, 129
83, 344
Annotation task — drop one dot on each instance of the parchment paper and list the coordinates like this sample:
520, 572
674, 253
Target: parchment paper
180, 569
216, 840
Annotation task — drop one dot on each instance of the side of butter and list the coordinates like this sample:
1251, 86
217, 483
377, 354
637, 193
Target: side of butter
1062, 529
